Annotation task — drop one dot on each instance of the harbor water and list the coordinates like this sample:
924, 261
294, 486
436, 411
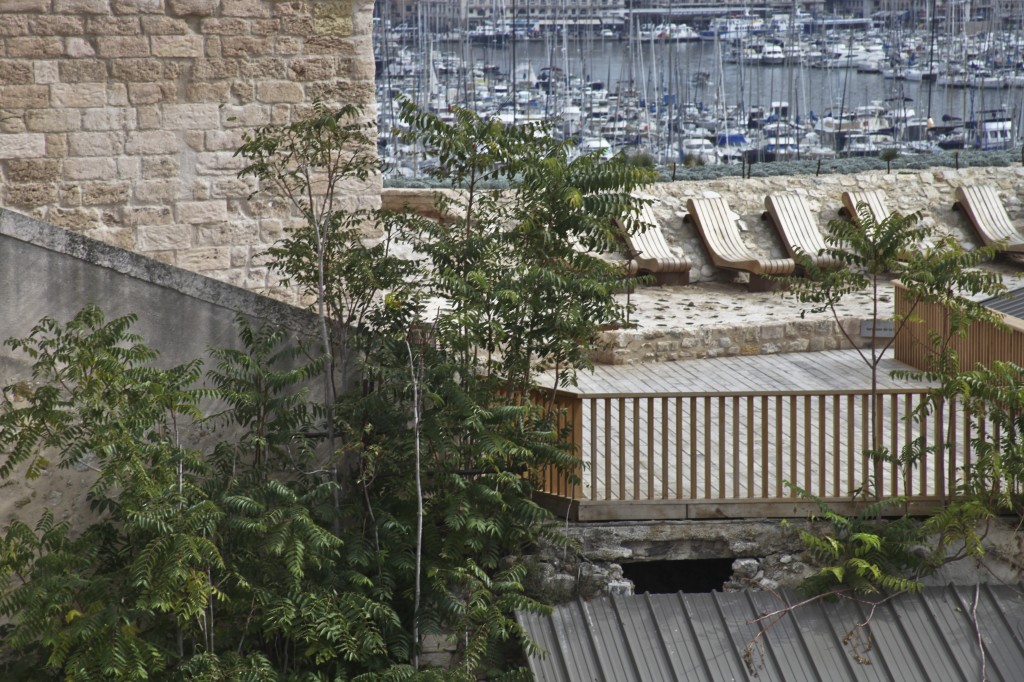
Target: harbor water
694, 72
759, 98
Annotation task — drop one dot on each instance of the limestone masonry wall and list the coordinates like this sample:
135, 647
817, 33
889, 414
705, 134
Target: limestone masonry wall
930, 191
119, 118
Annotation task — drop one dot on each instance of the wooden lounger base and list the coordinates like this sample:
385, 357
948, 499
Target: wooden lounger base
763, 283
671, 278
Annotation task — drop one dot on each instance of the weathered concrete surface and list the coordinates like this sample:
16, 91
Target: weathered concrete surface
681, 540
768, 555
48, 271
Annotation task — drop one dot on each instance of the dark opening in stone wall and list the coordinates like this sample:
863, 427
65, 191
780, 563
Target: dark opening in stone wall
669, 577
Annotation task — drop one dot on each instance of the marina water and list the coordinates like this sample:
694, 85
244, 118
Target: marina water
670, 98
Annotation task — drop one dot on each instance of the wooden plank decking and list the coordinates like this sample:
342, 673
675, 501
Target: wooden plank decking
720, 437
818, 371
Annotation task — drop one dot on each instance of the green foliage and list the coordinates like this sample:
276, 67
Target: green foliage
889, 154
995, 397
868, 553
248, 531
519, 268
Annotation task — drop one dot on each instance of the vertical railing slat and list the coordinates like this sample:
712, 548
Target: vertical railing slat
721, 446
851, 445
894, 444
794, 473
679, 448
865, 442
751, 486
636, 448
821, 458
622, 448
707, 447
808, 451
650, 449
837, 455
778, 446
939, 465
665, 431
693, 448
607, 449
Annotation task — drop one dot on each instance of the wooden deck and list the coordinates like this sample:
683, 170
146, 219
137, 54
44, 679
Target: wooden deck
719, 438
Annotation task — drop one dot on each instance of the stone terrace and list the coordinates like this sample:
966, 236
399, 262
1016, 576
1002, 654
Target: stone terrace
716, 316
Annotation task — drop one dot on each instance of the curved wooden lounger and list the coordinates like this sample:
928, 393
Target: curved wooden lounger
988, 217
875, 200
720, 233
797, 227
649, 253
872, 197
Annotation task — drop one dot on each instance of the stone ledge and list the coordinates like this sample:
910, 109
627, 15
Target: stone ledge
101, 254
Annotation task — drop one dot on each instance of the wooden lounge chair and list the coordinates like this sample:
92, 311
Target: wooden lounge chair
649, 253
875, 200
797, 227
872, 197
982, 206
719, 231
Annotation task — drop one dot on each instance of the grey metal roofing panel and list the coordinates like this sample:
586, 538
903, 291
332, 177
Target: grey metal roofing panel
644, 640
914, 616
1000, 615
723, 659
680, 639
616, 661
775, 652
579, 651
927, 636
1010, 303
954, 625
838, 619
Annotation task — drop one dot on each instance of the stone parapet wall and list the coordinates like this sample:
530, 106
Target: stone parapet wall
715, 340
119, 118
930, 191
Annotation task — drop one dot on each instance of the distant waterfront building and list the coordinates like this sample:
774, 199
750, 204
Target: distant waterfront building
444, 15
434, 15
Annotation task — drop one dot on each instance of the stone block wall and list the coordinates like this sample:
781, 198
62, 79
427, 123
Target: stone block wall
119, 118
929, 191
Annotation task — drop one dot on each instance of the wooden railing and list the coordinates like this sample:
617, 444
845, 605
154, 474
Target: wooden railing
983, 344
697, 455
565, 485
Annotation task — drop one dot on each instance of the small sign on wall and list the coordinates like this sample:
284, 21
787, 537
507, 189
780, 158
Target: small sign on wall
884, 329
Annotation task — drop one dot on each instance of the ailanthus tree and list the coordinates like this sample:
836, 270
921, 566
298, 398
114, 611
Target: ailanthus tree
867, 552
361, 491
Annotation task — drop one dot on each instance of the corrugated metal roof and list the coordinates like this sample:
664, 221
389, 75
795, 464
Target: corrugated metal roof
1010, 303
647, 638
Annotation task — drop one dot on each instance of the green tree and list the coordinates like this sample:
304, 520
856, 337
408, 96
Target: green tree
215, 565
866, 552
260, 557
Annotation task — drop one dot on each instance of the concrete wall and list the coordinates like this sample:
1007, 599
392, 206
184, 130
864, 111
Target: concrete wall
119, 118
48, 271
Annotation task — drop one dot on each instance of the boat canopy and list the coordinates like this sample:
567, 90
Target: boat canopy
730, 139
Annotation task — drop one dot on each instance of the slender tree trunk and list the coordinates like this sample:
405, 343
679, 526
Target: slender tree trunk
414, 375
